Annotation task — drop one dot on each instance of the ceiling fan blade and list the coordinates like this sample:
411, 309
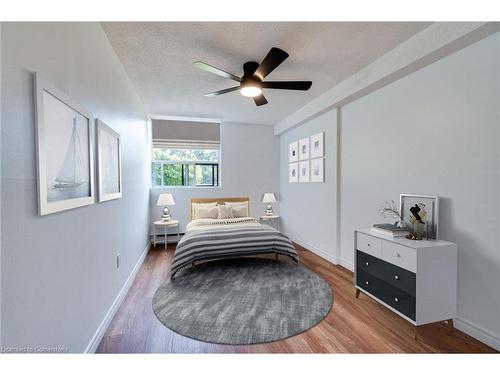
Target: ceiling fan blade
272, 60
212, 69
287, 85
220, 92
260, 100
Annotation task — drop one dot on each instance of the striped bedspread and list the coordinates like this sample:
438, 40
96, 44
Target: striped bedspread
210, 242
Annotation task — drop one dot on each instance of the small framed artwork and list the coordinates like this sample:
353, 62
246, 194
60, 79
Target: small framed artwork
304, 171
421, 209
293, 172
109, 171
293, 155
64, 142
318, 170
304, 149
317, 145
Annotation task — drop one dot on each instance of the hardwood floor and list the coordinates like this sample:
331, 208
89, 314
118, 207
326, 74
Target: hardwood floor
352, 326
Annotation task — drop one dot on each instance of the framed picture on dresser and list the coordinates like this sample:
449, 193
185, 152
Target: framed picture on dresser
423, 209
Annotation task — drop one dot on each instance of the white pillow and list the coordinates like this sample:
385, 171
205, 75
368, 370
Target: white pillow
240, 211
195, 206
225, 212
206, 212
239, 205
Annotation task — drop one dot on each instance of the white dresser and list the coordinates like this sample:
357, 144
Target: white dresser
415, 279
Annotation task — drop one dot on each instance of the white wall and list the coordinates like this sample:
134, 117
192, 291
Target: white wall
435, 132
308, 210
59, 275
249, 167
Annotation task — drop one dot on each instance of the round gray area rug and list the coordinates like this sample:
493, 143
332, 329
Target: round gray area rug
243, 301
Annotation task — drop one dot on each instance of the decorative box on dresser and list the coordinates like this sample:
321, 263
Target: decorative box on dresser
415, 279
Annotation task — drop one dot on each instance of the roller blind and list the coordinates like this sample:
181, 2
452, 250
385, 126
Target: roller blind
185, 134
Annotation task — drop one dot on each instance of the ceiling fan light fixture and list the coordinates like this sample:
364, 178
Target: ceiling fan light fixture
251, 91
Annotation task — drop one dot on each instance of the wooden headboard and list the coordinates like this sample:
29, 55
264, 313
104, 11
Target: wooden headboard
217, 200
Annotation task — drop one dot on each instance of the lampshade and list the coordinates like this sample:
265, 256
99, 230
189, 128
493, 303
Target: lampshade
165, 200
269, 198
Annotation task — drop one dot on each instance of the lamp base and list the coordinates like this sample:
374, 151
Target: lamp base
166, 214
269, 209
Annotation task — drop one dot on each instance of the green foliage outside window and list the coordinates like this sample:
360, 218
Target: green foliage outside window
185, 167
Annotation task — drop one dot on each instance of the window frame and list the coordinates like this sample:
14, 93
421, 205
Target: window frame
215, 165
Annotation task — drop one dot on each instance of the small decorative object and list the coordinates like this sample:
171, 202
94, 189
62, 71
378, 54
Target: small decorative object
421, 213
64, 139
293, 155
317, 170
269, 198
317, 148
109, 176
304, 171
304, 149
166, 200
390, 210
293, 172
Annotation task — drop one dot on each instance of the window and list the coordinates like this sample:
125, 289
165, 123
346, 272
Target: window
185, 166
185, 153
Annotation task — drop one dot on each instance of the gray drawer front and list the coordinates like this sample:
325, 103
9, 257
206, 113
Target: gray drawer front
391, 274
394, 297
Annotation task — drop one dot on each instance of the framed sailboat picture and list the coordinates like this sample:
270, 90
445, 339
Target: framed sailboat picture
109, 172
64, 133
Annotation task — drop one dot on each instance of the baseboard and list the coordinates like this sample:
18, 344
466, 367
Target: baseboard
478, 333
314, 249
101, 330
347, 265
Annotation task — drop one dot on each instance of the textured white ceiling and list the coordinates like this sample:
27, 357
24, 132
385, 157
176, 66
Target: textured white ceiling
158, 56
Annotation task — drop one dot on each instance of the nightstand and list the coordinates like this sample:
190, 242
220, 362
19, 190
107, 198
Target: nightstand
165, 224
272, 219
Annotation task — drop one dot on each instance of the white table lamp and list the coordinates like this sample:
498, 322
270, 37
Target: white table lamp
269, 198
165, 200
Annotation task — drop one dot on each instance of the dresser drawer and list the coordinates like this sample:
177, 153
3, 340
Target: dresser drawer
391, 274
369, 244
394, 297
399, 255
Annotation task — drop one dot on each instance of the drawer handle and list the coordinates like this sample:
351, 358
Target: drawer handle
396, 277
367, 263
367, 283
398, 255
369, 245
396, 299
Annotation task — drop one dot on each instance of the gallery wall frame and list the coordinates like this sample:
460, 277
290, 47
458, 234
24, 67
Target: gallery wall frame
317, 149
304, 149
318, 170
64, 148
304, 174
109, 162
293, 155
293, 172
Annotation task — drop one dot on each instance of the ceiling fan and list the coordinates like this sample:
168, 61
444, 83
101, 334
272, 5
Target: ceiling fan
251, 83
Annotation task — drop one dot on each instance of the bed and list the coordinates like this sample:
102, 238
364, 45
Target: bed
210, 236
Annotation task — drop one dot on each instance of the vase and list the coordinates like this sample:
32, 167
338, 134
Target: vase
419, 229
